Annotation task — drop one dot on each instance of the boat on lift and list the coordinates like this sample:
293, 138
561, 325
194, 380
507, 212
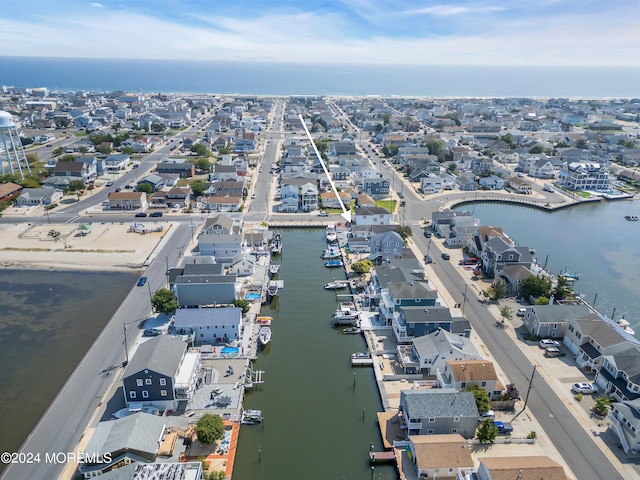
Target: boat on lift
336, 285
334, 263
264, 335
251, 417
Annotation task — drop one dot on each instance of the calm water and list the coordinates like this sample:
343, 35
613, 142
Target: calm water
593, 240
49, 320
267, 78
314, 426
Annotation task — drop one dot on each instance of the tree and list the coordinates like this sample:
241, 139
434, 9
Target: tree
436, 147
67, 158
390, 150
581, 143
76, 186
563, 288
535, 286
404, 231
536, 149
145, 187
83, 149
224, 151
602, 405
513, 392
509, 140
57, 151
116, 126
487, 431
243, 304
198, 187
164, 301
506, 313
158, 127
363, 266
26, 141
498, 290
481, 396
210, 428
128, 150
201, 149
203, 164
452, 167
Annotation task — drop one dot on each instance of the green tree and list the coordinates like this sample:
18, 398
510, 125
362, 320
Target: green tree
243, 304
602, 405
535, 286
158, 127
83, 149
128, 150
26, 141
481, 396
536, 149
363, 266
198, 187
76, 186
217, 475
224, 151
164, 301
487, 431
210, 428
404, 231
498, 290
67, 158
506, 313
116, 126
201, 149
436, 147
203, 164
452, 167
509, 140
581, 143
563, 288
390, 150
57, 151
386, 118
145, 187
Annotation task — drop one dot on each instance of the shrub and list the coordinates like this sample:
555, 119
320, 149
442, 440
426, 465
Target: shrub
210, 428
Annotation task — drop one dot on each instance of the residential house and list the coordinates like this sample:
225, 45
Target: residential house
184, 169
461, 374
9, 191
156, 182
519, 185
482, 236
438, 411
525, 468
411, 320
162, 373
498, 253
116, 162
330, 200
226, 187
225, 248
372, 216
225, 203
542, 168
481, 165
76, 170
127, 200
431, 184
341, 177
439, 456
550, 321
94, 167
619, 376
442, 222
223, 172
586, 176
364, 200
178, 197
467, 182
376, 187
386, 245
428, 353
210, 325
492, 182
461, 231
625, 424
30, 197
590, 339
513, 276
203, 284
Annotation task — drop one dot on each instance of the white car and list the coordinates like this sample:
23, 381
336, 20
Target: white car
584, 387
547, 342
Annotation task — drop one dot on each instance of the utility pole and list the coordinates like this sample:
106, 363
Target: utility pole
526, 399
126, 350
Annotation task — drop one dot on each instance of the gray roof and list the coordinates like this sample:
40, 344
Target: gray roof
442, 342
438, 403
410, 290
426, 314
193, 279
371, 211
388, 273
152, 178
194, 317
560, 313
516, 272
600, 331
628, 361
138, 432
160, 354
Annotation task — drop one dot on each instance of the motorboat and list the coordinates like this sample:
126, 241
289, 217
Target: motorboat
334, 263
348, 315
264, 321
336, 285
264, 335
571, 277
626, 326
331, 235
274, 268
272, 290
361, 358
251, 417
632, 218
330, 253
351, 330
346, 306
276, 244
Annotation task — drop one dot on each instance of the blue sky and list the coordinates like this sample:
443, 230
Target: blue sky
516, 32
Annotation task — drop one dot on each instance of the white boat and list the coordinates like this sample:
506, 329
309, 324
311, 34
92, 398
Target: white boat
276, 244
251, 417
272, 289
273, 268
361, 358
626, 326
351, 330
336, 285
264, 335
330, 253
135, 408
346, 306
348, 315
331, 235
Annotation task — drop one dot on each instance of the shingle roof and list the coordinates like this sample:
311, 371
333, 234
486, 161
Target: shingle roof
161, 354
523, 468
439, 403
472, 370
441, 451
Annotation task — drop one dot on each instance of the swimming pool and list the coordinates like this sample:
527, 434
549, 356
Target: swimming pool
252, 296
229, 350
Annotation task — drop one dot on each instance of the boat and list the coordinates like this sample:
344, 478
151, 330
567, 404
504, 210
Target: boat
135, 408
264, 320
272, 290
626, 326
572, 277
276, 244
331, 234
264, 335
351, 330
632, 218
349, 315
273, 268
334, 263
361, 358
331, 252
251, 417
346, 306
336, 285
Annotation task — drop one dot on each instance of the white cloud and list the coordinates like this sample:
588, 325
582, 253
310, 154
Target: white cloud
96, 5
450, 10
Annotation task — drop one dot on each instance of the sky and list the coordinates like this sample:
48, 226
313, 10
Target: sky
492, 32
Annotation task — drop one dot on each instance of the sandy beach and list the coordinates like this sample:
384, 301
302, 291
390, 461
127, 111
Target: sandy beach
103, 246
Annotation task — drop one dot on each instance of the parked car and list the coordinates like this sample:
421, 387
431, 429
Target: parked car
553, 352
152, 332
428, 259
504, 428
547, 342
521, 312
141, 281
403, 203
118, 189
141, 214
584, 387
446, 256
427, 233
323, 214
488, 414
155, 214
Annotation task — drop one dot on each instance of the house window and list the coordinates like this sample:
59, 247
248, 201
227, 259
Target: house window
456, 420
163, 393
163, 381
463, 384
145, 394
132, 394
483, 384
454, 430
139, 382
432, 419
147, 381
430, 431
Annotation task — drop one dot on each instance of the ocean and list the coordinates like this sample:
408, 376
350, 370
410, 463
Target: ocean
284, 79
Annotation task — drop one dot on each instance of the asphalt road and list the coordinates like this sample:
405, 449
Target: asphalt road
579, 450
62, 426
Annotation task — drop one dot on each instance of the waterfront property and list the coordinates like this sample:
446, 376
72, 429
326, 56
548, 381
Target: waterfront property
461, 374
439, 456
550, 321
208, 325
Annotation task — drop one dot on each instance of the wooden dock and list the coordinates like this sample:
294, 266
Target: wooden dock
378, 457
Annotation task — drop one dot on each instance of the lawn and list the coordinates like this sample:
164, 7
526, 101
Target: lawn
389, 205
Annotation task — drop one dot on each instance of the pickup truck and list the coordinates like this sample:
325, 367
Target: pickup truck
504, 428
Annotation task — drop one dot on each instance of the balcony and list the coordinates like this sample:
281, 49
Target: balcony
617, 427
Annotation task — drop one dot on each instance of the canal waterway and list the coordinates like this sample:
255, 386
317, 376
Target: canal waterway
319, 412
49, 320
593, 240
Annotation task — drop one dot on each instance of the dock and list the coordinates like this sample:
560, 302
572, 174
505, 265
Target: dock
379, 457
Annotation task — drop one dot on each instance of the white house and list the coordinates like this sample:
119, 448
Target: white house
210, 325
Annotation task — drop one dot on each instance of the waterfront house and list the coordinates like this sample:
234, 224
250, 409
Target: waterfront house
460, 231
30, 197
177, 470
223, 224
134, 439
225, 248
372, 216
439, 456
625, 424
441, 221
533, 467
184, 169
209, 325
116, 162
586, 176
461, 374
431, 184
127, 200
467, 182
513, 276
619, 376
498, 253
519, 185
385, 245
410, 322
438, 411
329, 199
550, 321
590, 338
162, 373
542, 168
482, 235
492, 182
428, 353
203, 284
